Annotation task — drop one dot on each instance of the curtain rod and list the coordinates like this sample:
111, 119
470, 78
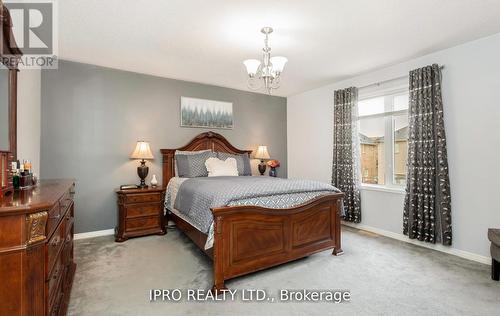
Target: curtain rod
392, 79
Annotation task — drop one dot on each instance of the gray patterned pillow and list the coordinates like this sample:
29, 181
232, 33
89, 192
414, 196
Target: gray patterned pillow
243, 162
180, 152
193, 165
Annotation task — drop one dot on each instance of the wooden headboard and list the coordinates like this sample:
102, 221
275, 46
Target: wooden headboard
208, 140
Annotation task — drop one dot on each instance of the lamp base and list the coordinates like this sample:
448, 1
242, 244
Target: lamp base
262, 167
142, 172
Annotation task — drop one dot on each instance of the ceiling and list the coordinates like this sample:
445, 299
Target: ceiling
324, 40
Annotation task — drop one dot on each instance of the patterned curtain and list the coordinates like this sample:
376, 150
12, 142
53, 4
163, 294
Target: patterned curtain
345, 171
427, 209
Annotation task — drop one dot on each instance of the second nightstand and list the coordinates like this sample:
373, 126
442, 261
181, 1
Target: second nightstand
140, 213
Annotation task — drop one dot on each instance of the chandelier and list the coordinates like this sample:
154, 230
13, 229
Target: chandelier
266, 73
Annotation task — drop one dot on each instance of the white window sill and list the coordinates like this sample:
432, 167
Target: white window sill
383, 188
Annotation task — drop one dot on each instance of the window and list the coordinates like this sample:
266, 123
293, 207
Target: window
383, 135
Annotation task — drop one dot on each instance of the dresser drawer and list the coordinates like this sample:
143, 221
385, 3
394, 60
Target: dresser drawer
142, 223
67, 252
65, 201
55, 278
144, 197
69, 219
55, 304
141, 210
54, 245
53, 218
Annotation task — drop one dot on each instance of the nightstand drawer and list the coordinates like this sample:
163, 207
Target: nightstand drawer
140, 198
142, 223
141, 210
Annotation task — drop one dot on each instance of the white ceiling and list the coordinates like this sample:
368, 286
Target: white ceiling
324, 40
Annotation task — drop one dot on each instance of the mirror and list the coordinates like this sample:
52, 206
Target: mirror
9, 59
4, 109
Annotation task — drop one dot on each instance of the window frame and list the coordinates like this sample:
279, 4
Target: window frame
389, 146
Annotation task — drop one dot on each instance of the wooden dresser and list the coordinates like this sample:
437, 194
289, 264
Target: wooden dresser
36, 250
140, 213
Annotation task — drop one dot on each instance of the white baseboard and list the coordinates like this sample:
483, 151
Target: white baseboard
97, 233
438, 247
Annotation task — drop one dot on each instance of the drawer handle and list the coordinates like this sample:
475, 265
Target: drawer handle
68, 239
55, 242
55, 274
66, 202
56, 217
55, 312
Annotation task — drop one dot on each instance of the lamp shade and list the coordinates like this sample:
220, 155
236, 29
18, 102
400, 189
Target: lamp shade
262, 153
252, 66
278, 63
142, 151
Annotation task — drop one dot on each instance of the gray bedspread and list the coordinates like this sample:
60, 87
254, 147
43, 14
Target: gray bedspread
197, 195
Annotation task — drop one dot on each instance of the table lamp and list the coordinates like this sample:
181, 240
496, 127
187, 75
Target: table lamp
262, 154
142, 151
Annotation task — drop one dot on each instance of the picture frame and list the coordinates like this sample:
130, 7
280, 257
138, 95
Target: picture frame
202, 113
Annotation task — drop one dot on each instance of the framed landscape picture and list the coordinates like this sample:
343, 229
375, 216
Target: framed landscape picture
206, 113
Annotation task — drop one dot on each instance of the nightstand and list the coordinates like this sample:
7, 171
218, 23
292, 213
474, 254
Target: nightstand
140, 213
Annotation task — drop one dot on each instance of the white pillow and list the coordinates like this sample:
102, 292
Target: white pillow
220, 168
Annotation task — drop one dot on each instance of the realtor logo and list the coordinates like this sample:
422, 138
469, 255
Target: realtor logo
34, 29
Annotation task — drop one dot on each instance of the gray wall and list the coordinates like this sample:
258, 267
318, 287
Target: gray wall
93, 116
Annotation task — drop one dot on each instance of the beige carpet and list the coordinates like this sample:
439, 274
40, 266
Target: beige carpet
384, 276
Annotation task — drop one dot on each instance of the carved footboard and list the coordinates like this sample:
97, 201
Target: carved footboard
250, 238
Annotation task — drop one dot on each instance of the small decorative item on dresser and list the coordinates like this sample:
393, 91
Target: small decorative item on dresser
142, 151
154, 181
262, 154
273, 164
140, 213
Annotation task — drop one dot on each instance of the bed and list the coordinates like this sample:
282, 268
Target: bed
246, 238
